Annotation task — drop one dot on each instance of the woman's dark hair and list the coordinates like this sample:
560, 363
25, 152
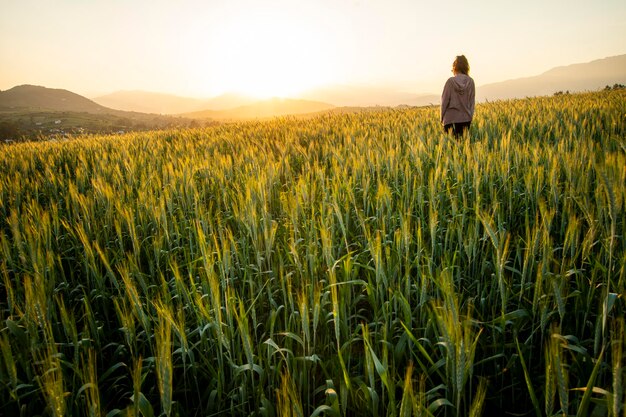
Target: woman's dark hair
461, 65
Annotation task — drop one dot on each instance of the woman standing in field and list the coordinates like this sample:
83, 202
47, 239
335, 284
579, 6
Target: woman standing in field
457, 99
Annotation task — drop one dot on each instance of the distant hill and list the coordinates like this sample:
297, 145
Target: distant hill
34, 111
590, 76
41, 98
341, 95
149, 102
41, 109
263, 109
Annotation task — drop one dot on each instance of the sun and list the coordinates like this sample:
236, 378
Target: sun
269, 54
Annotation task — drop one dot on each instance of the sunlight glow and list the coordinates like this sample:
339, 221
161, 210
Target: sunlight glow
268, 54
205, 48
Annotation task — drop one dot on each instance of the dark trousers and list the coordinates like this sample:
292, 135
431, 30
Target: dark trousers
458, 129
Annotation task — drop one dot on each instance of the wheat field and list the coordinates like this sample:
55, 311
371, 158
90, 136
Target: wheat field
347, 264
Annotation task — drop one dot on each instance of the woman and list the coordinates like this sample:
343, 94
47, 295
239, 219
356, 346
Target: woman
457, 99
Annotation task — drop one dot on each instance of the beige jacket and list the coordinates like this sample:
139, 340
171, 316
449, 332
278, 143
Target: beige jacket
457, 100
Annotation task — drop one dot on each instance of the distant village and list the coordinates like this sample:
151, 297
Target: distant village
38, 127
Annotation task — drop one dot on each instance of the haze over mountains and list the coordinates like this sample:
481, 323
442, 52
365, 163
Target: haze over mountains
148, 102
589, 76
223, 107
237, 106
40, 98
31, 98
29, 111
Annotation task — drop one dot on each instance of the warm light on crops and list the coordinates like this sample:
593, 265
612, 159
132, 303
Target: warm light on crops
350, 264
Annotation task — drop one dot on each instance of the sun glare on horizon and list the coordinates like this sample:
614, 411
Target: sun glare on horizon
320, 49
268, 54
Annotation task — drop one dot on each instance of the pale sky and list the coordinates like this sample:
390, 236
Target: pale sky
203, 48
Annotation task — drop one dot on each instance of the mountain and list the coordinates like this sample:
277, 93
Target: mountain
149, 102
590, 76
40, 106
28, 111
341, 95
263, 109
34, 97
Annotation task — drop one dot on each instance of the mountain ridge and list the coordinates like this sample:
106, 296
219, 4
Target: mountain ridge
587, 76
35, 97
164, 103
577, 77
30, 111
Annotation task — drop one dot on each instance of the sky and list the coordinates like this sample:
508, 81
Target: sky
203, 48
